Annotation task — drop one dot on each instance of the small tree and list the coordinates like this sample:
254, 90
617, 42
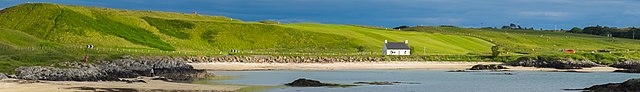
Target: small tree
401, 27
495, 51
360, 48
269, 22
505, 27
575, 30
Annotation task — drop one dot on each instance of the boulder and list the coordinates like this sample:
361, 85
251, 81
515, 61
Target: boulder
3, 76
550, 62
312, 83
631, 85
306, 83
12, 76
487, 67
628, 71
629, 64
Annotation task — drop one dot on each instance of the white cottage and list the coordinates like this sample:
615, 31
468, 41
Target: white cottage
396, 48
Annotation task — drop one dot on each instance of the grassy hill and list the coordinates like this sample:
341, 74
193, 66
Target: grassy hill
42, 33
111, 28
517, 43
373, 38
531, 41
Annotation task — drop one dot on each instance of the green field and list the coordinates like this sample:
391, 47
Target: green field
539, 42
518, 43
42, 33
111, 28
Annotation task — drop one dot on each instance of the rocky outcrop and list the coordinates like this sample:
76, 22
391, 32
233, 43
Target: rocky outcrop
487, 67
547, 62
166, 67
628, 71
3, 76
57, 74
174, 69
629, 64
306, 83
632, 85
313, 83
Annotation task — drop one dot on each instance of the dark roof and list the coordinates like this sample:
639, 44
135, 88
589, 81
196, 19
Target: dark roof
397, 45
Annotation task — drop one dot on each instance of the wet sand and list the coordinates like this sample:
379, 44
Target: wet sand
15, 85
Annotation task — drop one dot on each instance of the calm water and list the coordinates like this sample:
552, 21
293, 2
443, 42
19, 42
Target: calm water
431, 80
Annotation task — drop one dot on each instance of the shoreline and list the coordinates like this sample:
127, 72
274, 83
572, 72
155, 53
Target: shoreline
17, 85
398, 65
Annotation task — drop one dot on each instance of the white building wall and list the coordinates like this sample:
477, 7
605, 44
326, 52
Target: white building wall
397, 52
384, 50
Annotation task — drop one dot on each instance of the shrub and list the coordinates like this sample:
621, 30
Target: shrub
174, 28
269, 22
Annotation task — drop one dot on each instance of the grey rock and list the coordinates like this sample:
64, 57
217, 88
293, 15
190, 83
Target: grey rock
12, 76
628, 71
629, 64
174, 69
631, 85
57, 74
3, 76
126, 57
308, 83
558, 63
487, 67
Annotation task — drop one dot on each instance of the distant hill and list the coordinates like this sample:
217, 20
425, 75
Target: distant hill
68, 25
538, 42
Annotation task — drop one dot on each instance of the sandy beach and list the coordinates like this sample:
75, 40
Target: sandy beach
15, 85
235, 66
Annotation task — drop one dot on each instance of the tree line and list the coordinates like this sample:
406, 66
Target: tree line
630, 32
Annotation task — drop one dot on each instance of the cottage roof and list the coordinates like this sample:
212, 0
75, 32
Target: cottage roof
397, 45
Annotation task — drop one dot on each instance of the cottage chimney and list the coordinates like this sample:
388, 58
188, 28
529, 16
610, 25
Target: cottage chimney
385, 41
406, 41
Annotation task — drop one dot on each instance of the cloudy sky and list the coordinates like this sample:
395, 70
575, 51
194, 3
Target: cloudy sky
390, 13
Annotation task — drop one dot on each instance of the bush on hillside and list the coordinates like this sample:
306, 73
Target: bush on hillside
174, 28
269, 22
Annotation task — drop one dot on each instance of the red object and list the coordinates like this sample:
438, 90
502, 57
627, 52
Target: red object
570, 51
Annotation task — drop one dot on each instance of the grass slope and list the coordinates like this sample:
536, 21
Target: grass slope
548, 44
529, 41
373, 38
11, 57
112, 28
55, 22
